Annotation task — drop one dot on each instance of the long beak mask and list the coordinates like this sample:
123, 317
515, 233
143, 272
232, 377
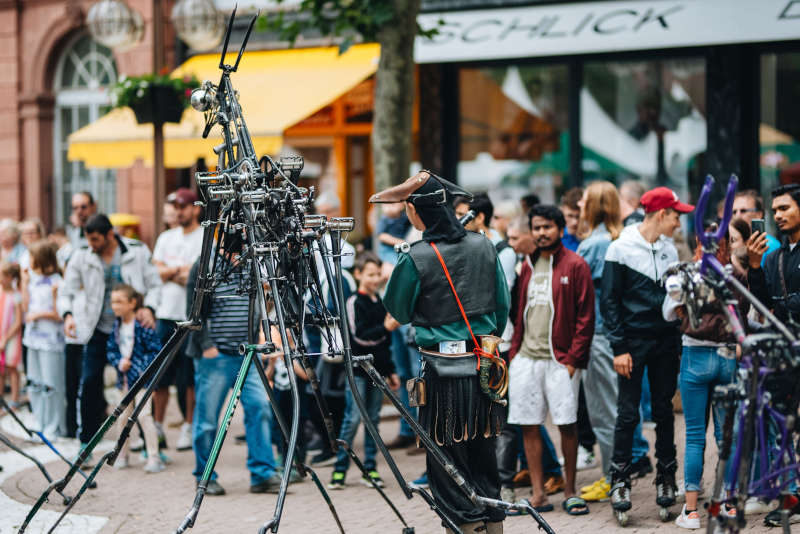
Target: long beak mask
407, 191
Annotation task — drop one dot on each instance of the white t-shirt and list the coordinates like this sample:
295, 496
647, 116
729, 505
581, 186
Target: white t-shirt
125, 336
174, 248
43, 334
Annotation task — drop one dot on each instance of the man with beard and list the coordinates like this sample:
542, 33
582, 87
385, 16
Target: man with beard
552, 334
462, 419
777, 283
84, 301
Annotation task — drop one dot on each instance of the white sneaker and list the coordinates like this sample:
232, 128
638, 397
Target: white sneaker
121, 462
154, 465
184, 442
690, 520
586, 459
137, 444
753, 506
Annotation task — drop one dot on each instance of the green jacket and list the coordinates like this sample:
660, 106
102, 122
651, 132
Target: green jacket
401, 298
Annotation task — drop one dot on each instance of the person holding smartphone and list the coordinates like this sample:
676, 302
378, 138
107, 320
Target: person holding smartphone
749, 206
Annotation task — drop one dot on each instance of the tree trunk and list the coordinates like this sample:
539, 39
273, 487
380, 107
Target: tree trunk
394, 97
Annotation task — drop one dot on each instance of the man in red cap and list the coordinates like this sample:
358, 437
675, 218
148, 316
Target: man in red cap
632, 296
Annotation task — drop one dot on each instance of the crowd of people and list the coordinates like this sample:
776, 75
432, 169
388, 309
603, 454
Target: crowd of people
590, 337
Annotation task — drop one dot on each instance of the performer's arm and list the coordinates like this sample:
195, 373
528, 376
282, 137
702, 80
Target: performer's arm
503, 297
403, 289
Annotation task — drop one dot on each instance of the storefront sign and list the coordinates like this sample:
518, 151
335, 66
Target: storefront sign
584, 28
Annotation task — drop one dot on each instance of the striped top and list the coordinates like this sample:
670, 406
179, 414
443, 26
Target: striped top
227, 318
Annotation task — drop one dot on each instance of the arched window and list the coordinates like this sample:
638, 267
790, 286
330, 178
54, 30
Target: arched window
84, 72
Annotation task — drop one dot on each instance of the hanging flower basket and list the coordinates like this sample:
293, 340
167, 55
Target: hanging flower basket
154, 98
161, 104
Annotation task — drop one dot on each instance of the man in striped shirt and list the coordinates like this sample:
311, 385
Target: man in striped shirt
217, 362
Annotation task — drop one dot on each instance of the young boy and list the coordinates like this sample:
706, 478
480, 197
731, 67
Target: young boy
130, 349
370, 331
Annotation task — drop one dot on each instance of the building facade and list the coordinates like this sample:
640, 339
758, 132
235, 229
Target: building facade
55, 81
543, 96
514, 96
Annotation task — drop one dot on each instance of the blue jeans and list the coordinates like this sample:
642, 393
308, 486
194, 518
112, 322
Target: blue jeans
214, 378
373, 397
702, 369
406, 363
645, 405
550, 465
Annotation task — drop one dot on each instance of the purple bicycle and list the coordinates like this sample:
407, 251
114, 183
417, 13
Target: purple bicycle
758, 454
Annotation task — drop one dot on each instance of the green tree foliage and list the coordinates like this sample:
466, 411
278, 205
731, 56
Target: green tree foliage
392, 24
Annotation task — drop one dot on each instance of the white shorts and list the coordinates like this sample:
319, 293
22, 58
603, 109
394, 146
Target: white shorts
536, 386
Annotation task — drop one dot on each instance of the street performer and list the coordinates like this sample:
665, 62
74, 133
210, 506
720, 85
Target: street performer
450, 286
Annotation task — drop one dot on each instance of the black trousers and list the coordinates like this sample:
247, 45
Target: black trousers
476, 461
507, 453
586, 437
93, 403
72, 375
661, 356
181, 371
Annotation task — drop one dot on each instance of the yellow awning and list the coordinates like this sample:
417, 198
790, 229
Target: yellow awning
277, 89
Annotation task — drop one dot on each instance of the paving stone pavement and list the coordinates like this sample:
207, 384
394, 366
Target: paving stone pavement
136, 502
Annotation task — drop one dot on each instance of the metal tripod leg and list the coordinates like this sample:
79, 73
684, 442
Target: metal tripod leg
222, 432
10, 444
302, 468
154, 371
291, 447
44, 439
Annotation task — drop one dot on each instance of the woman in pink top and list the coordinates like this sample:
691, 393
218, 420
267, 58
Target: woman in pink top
10, 327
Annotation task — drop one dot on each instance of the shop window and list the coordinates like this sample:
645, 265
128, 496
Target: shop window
513, 131
779, 130
84, 72
644, 120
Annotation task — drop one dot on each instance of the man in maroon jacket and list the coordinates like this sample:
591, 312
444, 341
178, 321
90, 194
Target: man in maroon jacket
553, 330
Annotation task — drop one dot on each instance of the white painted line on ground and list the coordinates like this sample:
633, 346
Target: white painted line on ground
12, 513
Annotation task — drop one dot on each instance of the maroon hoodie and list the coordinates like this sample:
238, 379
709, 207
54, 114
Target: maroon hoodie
572, 305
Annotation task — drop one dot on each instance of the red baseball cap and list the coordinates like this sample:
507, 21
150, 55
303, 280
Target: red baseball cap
183, 196
663, 198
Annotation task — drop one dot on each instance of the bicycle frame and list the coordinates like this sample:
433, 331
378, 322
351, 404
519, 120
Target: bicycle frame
755, 413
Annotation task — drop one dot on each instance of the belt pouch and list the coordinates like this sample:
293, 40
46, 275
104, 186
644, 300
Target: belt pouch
451, 366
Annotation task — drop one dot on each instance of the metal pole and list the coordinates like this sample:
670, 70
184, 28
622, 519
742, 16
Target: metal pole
159, 175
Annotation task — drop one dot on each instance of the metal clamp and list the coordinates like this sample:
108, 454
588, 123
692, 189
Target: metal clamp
341, 224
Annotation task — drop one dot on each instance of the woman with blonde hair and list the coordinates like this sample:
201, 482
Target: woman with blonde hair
601, 223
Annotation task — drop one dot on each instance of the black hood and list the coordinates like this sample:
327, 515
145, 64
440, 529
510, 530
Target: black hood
437, 212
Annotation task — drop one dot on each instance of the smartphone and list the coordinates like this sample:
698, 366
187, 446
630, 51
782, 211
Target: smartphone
757, 225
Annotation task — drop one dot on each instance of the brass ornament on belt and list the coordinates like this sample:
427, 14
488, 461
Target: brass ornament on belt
495, 387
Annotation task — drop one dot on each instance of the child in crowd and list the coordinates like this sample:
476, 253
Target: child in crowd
10, 328
130, 349
370, 329
44, 338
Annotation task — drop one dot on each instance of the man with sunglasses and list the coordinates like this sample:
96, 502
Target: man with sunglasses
83, 207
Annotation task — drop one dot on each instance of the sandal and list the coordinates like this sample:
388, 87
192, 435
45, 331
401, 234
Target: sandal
575, 506
542, 508
554, 484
